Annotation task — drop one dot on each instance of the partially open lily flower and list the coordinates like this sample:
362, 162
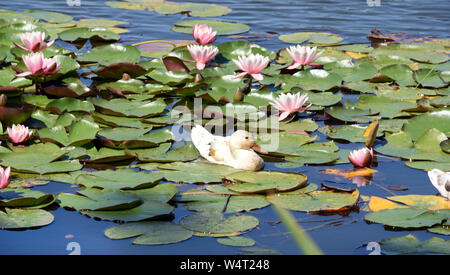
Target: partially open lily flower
34, 41
37, 64
362, 157
290, 103
4, 177
202, 54
204, 34
252, 64
302, 55
19, 133
440, 180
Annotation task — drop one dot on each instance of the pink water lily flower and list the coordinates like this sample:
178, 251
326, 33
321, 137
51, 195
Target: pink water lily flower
4, 177
19, 133
302, 55
362, 157
202, 54
37, 64
204, 34
33, 41
290, 103
252, 64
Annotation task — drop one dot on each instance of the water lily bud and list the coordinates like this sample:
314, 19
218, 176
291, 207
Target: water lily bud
362, 157
3, 100
198, 77
126, 76
238, 95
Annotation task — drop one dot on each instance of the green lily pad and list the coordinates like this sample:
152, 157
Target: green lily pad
95, 199
81, 132
218, 198
185, 153
111, 53
147, 210
265, 181
124, 107
195, 172
39, 158
222, 28
429, 78
350, 71
149, 233
234, 49
317, 201
133, 138
316, 79
411, 245
418, 125
215, 223
25, 198
124, 179
387, 107
312, 37
408, 217
68, 104
97, 33
236, 241
24, 218
401, 73
49, 16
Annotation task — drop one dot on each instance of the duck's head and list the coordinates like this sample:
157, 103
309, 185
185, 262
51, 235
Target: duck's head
242, 140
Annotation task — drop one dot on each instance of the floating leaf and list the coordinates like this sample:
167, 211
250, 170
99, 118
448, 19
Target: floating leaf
317, 201
222, 28
149, 233
119, 179
265, 181
410, 245
312, 37
21, 218
236, 241
211, 223
110, 54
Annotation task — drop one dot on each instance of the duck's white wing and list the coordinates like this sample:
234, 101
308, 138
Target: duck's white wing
213, 148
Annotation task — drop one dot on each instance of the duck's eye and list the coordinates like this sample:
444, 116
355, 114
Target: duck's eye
246, 137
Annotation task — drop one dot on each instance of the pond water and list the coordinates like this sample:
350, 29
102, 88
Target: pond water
352, 20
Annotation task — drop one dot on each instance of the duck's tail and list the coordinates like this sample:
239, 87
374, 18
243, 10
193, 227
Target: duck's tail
202, 140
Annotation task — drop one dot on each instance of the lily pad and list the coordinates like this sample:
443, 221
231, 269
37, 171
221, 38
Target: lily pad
149, 233
124, 179
411, 245
317, 201
22, 218
110, 54
25, 198
265, 181
214, 223
418, 125
312, 37
222, 28
236, 241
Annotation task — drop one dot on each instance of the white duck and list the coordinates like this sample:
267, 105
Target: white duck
440, 180
235, 150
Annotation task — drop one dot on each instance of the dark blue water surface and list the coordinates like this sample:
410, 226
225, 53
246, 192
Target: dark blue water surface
353, 20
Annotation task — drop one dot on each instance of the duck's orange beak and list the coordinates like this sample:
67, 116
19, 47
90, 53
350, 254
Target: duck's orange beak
258, 149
